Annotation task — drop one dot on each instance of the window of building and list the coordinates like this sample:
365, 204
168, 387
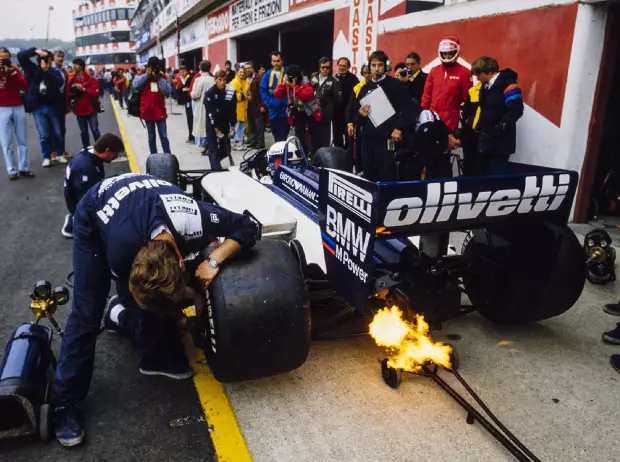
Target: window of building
113, 13
122, 14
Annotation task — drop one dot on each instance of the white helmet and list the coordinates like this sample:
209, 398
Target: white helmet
449, 49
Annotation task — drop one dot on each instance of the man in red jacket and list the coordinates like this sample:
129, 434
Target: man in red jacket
83, 91
12, 117
447, 84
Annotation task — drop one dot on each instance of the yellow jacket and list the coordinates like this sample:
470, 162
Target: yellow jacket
356, 92
474, 99
241, 91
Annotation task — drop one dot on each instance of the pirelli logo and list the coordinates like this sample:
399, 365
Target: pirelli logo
350, 196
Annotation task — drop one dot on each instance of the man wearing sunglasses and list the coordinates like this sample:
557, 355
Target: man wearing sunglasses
327, 89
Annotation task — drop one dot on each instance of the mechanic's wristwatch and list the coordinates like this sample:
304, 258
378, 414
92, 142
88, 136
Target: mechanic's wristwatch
213, 263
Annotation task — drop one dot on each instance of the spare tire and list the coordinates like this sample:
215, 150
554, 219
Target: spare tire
259, 313
527, 273
163, 166
333, 157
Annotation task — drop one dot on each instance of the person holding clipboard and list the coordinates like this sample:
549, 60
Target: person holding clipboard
386, 112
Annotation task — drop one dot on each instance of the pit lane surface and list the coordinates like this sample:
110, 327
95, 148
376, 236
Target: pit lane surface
128, 416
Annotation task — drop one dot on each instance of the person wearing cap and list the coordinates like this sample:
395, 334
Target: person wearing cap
447, 84
86, 170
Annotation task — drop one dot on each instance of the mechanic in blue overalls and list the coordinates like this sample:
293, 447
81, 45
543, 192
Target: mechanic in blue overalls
141, 231
86, 170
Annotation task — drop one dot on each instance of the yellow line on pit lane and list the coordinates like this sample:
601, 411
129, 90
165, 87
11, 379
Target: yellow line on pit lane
228, 440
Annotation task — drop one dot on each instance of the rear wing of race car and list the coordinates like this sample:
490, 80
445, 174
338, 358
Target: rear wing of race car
354, 212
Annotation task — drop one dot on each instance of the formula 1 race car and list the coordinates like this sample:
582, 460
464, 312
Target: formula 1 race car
340, 247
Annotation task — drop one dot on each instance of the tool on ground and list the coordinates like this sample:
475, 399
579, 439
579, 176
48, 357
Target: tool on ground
601, 257
28, 368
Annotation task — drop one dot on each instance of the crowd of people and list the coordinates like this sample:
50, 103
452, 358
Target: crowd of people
433, 114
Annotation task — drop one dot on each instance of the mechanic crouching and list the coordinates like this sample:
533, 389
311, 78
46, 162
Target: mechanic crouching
86, 170
379, 142
140, 231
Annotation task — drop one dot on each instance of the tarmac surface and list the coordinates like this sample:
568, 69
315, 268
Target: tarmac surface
128, 416
549, 382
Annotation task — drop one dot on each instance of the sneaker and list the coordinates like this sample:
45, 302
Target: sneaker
178, 371
108, 324
69, 430
614, 360
46, 163
61, 159
67, 227
612, 308
612, 336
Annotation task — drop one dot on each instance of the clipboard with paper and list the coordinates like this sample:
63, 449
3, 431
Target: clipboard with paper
380, 107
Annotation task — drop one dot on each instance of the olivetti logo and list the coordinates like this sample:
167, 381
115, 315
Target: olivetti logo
443, 202
350, 196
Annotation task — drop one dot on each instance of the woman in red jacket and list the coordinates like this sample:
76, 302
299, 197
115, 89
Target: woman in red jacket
120, 85
12, 117
303, 109
83, 91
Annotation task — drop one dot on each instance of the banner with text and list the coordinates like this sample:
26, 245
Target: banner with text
244, 13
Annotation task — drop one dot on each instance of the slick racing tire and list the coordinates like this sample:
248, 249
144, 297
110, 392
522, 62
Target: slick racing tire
259, 315
163, 166
522, 274
333, 157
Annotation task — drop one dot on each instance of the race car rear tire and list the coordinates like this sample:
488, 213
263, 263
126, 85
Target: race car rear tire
333, 157
522, 274
163, 166
259, 311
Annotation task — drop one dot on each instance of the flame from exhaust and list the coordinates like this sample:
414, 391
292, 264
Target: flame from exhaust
409, 344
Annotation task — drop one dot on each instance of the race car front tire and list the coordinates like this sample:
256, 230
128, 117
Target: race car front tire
333, 157
259, 315
163, 166
521, 274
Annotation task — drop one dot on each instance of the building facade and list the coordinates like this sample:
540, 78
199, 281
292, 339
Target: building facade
102, 33
565, 52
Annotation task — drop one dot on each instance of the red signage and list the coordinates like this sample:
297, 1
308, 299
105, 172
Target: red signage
218, 22
298, 4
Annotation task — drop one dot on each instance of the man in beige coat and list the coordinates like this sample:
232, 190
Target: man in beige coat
202, 83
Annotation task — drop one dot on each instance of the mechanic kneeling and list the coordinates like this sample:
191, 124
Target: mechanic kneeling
428, 153
140, 231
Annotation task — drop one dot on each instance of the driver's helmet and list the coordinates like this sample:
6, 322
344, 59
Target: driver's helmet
276, 153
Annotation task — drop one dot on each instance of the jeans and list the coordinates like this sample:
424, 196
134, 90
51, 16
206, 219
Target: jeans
84, 122
48, 128
13, 122
61, 115
163, 135
279, 128
239, 132
201, 141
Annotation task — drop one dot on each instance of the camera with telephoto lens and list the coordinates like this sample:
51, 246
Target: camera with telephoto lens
5, 67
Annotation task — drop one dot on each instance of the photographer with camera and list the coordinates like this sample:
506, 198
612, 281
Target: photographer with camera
83, 97
154, 88
42, 94
304, 108
12, 117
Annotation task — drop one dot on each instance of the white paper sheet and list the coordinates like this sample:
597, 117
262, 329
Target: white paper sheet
380, 107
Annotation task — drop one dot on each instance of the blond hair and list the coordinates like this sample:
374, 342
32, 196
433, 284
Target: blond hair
156, 279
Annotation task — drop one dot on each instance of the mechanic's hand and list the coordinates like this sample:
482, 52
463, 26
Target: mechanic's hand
351, 130
217, 131
453, 143
397, 135
206, 273
365, 110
